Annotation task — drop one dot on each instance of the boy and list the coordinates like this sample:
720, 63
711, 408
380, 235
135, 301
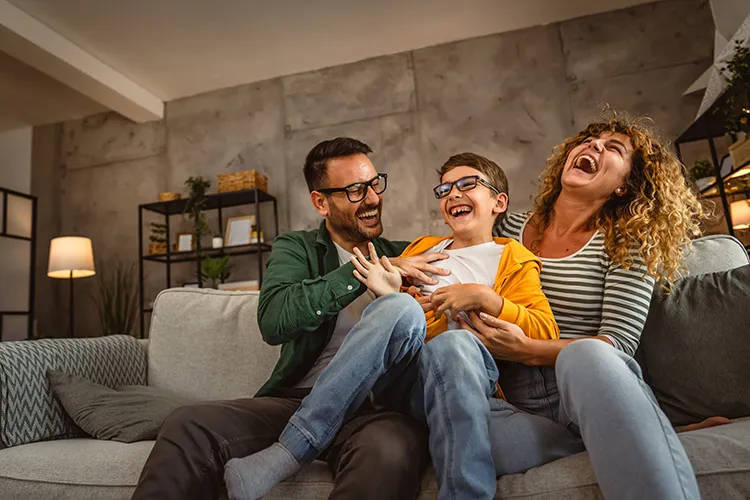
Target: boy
498, 276
494, 275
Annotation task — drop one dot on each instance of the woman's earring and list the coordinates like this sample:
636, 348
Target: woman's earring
620, 191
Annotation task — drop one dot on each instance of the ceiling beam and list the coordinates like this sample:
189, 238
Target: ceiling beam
33, 43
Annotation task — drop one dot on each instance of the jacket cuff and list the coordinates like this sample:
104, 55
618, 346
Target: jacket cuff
509, 312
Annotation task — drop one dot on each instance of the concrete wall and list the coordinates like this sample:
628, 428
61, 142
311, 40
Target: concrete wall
511, 96
15, 261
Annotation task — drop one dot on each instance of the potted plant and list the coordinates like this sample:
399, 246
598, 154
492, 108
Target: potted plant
116, 297
215, 271
702, 173
736, 107
158, 239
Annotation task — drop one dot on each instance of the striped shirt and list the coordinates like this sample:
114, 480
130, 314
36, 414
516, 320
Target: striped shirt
591, 295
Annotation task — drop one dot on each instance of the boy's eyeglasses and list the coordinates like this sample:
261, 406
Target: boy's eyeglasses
358, 191
463, 184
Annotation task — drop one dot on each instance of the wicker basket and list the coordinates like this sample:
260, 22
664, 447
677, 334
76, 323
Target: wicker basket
740, 152
169, 196
156, 248
237, 181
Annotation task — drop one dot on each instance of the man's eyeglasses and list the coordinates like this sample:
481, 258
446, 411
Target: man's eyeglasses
462, 184
358, 191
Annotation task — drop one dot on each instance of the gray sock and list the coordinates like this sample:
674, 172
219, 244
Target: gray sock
255, 475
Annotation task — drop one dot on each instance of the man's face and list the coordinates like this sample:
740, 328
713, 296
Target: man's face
354, 222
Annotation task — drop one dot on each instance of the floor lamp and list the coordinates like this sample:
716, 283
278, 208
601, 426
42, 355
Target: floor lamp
70, 257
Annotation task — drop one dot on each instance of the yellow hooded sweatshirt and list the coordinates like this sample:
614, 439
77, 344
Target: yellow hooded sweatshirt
516, 280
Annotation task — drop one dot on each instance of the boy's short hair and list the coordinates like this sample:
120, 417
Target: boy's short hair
316, 163
489, 168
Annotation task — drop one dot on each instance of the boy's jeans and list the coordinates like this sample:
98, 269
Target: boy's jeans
473, 437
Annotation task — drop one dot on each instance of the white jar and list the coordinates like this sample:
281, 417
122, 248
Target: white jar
217, 242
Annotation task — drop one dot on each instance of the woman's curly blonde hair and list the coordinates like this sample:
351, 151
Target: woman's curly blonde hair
657, 217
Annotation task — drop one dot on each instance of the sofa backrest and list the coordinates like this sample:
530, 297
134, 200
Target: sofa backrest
205, 344
715, 253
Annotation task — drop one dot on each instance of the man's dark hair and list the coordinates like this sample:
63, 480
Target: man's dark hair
316, 163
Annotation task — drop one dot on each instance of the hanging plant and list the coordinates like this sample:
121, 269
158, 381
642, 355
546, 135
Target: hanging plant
196, 204
736, 108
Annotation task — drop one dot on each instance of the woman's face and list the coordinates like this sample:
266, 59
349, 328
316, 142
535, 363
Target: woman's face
599, 166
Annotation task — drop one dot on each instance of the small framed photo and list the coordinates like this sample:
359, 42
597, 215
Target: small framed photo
184, 242
239, 230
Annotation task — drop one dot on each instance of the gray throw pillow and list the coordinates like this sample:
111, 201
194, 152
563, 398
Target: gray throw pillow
696, 347
126, 414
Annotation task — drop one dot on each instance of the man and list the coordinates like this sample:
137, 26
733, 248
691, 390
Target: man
308, 302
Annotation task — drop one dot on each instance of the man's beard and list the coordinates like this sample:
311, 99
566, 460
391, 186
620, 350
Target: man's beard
348, 226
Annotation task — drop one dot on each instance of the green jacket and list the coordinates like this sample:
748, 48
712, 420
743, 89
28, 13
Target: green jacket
303, 290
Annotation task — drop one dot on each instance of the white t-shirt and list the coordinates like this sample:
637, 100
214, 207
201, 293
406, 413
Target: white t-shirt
347, 318
475, 264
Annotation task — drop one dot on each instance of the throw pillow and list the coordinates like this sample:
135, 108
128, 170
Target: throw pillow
696, 346
126, 414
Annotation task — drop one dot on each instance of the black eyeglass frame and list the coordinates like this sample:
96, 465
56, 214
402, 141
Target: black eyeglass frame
358, 185
477, 180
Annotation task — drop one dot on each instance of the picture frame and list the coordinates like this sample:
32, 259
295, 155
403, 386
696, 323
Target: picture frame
239, 230
184, 242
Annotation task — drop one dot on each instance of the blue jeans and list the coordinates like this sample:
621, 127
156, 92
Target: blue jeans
377, 357
595, 396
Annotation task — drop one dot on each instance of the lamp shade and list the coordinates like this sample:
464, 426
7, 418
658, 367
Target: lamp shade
70, 254
740, 211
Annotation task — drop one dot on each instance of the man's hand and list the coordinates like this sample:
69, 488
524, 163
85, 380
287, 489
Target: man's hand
462, 297
377, 274
415, 267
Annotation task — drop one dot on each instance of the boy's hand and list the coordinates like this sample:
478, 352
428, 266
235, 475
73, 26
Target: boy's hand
423, 300
416, 267
462, 297
377, 274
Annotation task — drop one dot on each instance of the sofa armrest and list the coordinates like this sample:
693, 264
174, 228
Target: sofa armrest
29, 411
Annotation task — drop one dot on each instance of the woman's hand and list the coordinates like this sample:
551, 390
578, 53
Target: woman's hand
465, 297
377, 274
415, 267
505, 341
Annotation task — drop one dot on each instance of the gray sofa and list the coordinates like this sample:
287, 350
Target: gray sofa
205, 345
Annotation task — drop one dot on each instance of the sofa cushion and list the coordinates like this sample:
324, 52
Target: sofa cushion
99, 470
28, 410
127, 413
695, 347
72, 469
205, 344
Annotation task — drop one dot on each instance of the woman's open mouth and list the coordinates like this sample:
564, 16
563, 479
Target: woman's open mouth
586, 163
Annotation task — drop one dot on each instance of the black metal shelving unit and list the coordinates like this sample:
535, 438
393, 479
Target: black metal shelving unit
708, 127
217, 202
29, 312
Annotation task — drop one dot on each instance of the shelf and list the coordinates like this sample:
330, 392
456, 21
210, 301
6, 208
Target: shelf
210, 252
735, 182
216, 200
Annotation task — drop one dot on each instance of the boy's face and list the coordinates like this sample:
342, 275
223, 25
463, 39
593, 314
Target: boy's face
473, 212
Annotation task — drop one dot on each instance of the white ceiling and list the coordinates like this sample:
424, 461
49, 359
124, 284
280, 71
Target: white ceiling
177, 48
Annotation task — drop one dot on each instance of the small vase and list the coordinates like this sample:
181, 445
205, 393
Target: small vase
217, 242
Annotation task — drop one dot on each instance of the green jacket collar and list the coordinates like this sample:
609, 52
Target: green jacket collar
330, 260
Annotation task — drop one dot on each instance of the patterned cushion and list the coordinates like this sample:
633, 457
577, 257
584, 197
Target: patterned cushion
28, 410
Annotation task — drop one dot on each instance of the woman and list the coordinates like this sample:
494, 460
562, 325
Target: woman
611, 219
